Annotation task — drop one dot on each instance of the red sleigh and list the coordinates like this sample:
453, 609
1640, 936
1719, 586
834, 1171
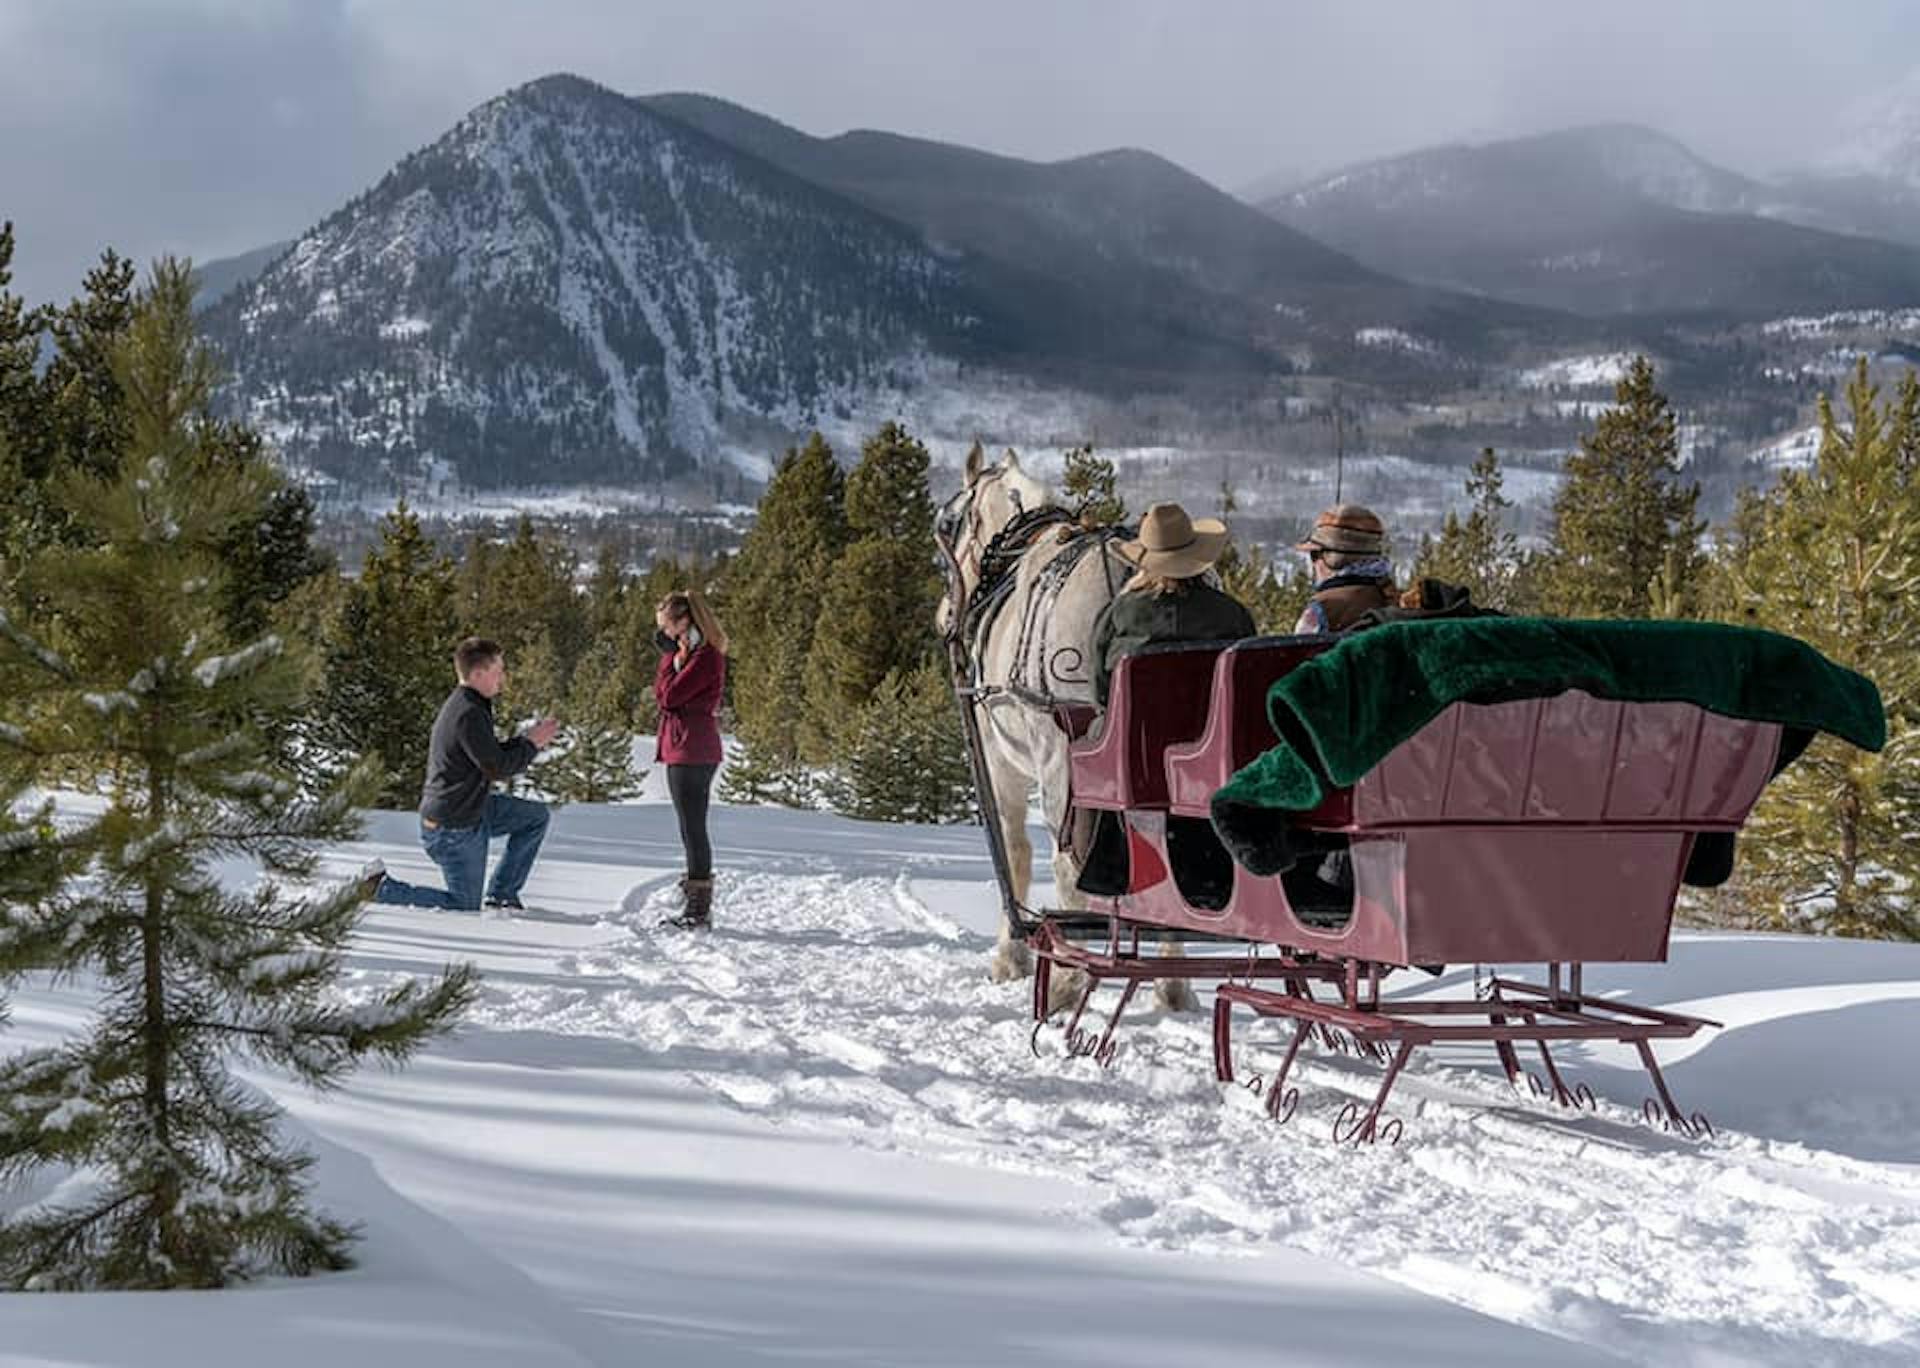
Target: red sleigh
1553, 830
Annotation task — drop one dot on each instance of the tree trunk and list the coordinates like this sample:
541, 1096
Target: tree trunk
154, 1039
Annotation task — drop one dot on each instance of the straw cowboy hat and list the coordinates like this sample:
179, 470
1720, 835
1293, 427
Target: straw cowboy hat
1349, 528
1173, 544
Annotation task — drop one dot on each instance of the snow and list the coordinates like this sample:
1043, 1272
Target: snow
1845, 320
819, 1133
214, 669
1607, 368
1797, 450
1393, 339
404, 328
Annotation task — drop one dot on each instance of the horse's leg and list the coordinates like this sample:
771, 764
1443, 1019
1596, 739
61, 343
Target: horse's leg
1055, 791
1174, 994
1011, 958
1047, 745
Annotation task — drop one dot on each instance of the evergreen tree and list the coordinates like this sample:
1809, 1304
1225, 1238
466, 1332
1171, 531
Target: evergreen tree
389, 659
878, 611
1831, 555
129, 678
1272, 595
533, 690
523, 591
902, 757
776, 591
86, 423
75, 417
1476, 551
20, 411
593, 759
605, 607
267, 552
1622, 518
1091, 484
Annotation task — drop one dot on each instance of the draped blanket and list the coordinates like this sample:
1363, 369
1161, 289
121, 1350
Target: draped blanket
1337, 715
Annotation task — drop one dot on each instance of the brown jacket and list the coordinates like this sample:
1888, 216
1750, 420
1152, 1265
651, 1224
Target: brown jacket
1339, 606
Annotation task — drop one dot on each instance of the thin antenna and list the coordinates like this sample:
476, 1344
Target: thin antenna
1339, 444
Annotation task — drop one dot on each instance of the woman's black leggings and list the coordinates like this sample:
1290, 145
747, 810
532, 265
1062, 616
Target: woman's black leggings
690, 786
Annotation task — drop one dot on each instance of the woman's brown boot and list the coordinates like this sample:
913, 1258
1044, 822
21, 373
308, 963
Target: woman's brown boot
696, 906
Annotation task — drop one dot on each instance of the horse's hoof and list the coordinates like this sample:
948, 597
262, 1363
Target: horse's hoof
1011, 960
1064, 989
1176, 996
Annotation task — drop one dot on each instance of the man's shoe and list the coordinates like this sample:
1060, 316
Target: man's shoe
506, 904
372, 875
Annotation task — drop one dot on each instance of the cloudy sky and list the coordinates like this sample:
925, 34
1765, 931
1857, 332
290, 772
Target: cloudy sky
211, 126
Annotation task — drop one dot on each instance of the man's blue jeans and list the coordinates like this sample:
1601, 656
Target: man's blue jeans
462, 857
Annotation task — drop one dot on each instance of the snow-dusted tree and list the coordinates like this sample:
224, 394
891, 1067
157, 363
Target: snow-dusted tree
122, 676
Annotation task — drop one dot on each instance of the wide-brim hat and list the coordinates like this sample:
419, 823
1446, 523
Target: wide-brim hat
1172, 544
1349, 528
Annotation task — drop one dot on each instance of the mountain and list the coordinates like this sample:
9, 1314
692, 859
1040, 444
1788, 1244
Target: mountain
569, 286
223, 275
1128, 228
1869, 180
572, 286
1607, 220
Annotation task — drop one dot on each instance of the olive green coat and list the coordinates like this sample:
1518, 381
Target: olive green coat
1137, 618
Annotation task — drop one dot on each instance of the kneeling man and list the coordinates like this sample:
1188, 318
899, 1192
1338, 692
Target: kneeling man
459, 811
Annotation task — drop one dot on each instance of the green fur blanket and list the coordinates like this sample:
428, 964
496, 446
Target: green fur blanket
1339, 714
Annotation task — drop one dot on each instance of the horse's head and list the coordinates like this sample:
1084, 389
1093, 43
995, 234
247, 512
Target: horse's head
991, 497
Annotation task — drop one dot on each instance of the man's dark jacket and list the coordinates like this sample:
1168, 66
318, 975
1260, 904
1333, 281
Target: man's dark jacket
464, 758
1138, 618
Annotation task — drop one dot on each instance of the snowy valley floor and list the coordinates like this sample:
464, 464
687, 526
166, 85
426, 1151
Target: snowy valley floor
818, 1134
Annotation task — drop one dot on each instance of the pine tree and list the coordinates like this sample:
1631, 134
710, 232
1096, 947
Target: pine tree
593, 758
902, 757
131, 680
1272, 595
525, 590
1831, 555
389, 659
86, 423
1091, 484
606, 595
20, 410
777, 589
1477, 551
880, 595
74, 417
1622, 518
533, 690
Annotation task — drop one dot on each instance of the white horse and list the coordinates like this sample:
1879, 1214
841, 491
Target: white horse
1035, 650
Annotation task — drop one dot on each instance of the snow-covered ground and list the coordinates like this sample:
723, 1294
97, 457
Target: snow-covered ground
819, 1134
1607, 368
1797, 450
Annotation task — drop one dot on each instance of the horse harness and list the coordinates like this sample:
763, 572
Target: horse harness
998, 565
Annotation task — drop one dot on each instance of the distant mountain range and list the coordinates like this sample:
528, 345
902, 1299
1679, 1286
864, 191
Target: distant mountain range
578, 285
1609, 221
575, 286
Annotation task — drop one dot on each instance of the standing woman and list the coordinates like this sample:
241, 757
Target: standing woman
687, 685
